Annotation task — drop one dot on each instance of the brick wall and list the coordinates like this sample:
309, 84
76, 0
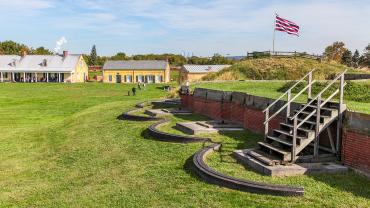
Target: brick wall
356, 150
251, 118
356, 141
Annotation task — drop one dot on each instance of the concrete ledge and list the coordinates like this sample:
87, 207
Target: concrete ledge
168, 137
287, 170
214, 177
128, 116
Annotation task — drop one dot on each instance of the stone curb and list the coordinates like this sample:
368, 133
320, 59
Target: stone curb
214, 177
168, 137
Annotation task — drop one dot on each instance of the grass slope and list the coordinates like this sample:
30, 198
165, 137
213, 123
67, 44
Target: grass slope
62, 146
272, 89
276, 68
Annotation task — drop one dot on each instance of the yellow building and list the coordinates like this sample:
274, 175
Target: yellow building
136, 72
43, 68
192, 73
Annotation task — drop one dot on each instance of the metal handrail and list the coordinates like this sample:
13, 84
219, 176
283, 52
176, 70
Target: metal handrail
319, 94
292, 87
288, 103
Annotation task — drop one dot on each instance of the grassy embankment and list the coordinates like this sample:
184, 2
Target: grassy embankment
62, 146
277, 69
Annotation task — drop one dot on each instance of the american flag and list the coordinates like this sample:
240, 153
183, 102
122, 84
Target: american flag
287, 26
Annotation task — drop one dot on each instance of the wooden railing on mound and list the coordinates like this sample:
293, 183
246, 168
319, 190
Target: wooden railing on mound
282, 54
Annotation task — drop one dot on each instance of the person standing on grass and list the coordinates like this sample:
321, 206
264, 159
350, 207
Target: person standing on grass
139, 86
134, 91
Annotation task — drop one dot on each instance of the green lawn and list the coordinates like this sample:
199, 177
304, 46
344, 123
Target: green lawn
62, 146
270, 89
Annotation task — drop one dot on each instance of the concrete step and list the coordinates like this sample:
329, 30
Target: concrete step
263, 158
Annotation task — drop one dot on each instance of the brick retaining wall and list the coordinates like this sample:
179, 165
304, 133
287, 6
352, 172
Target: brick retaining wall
247, 110
356, 141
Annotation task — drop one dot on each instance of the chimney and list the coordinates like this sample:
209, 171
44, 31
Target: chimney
65, 54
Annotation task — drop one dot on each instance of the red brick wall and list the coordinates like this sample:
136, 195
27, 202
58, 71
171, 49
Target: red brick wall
254, 119
356, 150
251, 119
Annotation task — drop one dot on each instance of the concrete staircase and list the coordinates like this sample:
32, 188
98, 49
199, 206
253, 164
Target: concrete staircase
302, 127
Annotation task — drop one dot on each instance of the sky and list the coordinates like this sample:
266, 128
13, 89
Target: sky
199, 27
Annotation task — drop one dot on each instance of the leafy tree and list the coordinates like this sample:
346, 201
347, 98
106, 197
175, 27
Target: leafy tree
119, 56
12, 48
347, 58
93, 56
335, 52
356, 59
365, 60
41, 51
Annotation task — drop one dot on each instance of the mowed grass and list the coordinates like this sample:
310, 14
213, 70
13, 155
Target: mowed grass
270, 89
62, 146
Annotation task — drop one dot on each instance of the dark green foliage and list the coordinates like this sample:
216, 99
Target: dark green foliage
12, 48
354, 91
215, 59
347, 58
119, 56
173, 59
41, 51
93, 56
356, 59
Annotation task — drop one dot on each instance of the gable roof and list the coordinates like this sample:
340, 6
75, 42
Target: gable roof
35, 63
132, 65
204, 68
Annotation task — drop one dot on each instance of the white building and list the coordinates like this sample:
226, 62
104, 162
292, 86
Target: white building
43, 68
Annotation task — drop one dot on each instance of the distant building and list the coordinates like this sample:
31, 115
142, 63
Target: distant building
43, 68
193, 73
136, 71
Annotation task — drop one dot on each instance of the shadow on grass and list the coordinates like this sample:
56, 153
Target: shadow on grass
350, 182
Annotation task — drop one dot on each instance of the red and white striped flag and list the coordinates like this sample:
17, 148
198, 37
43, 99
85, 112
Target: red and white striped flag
287, 26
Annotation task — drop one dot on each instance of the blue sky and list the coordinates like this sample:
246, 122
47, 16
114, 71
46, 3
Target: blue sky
200, 27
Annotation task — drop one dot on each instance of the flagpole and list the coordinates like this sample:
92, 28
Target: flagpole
273, 37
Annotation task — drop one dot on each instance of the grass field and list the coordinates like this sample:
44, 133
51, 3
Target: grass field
271, 89
62, 146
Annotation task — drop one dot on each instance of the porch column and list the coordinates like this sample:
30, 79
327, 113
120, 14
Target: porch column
35, 76
13, 77
71, 77
59, 77
24, 76
47, 76
2, 78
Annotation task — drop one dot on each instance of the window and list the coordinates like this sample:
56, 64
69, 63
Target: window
128, 78
139, 78
110, 78
158, 79
150, 78
5, 74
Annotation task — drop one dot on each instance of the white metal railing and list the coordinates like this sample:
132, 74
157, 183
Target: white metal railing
317, 111
287, 105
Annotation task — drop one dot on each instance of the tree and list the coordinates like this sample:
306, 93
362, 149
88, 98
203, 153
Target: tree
356, 59
347, 58
12, 48
41, 51
119, 56
366, 56
93, 56
335, 52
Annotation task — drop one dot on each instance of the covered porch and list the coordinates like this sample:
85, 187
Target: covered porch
33, 77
